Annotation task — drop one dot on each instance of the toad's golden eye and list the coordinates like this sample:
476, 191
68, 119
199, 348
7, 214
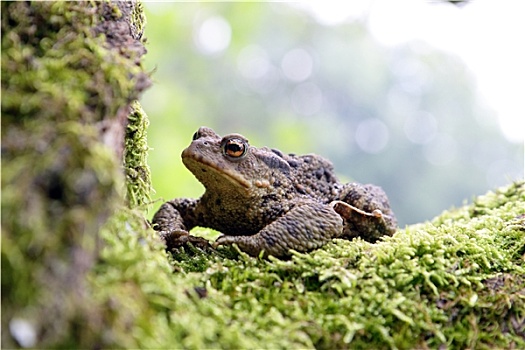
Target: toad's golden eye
234, 147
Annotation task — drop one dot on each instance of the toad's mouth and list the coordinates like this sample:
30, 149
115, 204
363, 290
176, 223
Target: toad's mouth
209, 172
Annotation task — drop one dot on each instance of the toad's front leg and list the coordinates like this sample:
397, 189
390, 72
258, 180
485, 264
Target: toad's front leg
305, 227
173, 221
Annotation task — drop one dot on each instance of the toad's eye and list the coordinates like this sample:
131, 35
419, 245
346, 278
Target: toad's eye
234, 147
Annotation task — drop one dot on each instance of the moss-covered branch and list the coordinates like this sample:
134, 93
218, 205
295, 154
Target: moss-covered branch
458, 281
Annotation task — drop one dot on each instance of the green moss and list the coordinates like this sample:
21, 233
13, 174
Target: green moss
138, 18
138, 175
456, 281
55, 64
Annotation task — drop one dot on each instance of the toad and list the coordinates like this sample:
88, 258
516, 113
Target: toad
266, 201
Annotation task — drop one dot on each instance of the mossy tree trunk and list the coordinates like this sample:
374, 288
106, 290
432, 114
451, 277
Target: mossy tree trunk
71, 72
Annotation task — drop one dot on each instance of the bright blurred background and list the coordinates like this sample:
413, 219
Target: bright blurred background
424, 99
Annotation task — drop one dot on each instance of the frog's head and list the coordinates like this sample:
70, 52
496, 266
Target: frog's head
229, 163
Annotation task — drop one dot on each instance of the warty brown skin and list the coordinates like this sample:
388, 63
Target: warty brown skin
264, 200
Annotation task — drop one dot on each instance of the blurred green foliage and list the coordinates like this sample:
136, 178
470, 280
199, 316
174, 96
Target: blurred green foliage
408, 118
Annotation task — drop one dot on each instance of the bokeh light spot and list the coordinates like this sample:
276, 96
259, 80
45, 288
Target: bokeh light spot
420, 128
253, 62
213, 35
372, 135
23, 331
259, 74
297, 65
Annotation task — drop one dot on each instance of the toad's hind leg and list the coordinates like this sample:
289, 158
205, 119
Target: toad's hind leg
305, 227
368, 215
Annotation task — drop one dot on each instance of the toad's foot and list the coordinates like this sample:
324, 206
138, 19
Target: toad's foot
370, 226
180, 238
304, 228
345, 210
